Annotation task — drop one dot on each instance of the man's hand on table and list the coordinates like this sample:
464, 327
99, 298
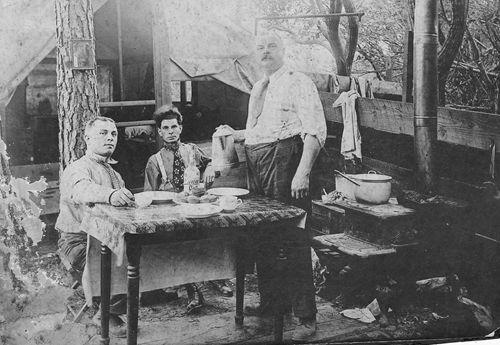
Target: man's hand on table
121, 197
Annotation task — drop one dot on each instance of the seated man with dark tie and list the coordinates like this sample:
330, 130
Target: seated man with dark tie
165, 171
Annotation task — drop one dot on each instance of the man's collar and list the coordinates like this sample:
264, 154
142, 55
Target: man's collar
276, 75
99, 158
172, 146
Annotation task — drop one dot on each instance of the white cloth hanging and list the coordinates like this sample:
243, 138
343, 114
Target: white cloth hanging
351, 137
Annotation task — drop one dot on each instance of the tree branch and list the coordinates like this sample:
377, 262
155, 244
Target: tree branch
477, 58
320, 24
334, 38
452, 44
298, 40
443, 12
495, 41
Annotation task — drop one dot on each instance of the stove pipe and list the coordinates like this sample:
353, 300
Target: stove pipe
425, 88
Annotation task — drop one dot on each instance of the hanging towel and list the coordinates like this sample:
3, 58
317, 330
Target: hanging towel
351, 138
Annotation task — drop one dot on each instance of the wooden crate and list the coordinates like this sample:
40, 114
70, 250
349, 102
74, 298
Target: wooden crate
378, 224
327, 220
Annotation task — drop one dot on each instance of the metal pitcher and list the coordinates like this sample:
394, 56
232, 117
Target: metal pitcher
224, 155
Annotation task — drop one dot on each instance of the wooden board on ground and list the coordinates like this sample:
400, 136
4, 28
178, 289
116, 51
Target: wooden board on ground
220, 329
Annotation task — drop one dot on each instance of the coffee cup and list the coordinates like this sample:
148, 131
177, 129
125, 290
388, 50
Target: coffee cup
229, 202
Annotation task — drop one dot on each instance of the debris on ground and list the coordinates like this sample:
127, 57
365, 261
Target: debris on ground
364, 315
482, 314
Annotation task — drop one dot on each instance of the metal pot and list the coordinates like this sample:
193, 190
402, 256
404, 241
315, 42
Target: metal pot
372, 188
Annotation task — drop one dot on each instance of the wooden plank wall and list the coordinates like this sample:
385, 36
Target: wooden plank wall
467, 128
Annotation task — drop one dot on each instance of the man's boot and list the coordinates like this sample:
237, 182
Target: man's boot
305, 330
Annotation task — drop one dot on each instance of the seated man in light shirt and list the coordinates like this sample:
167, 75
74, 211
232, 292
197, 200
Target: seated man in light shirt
285, 131
91, 180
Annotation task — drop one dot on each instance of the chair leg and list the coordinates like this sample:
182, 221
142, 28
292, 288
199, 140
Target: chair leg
278, 327
240, 285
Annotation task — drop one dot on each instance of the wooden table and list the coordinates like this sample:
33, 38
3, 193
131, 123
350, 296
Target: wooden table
130, 228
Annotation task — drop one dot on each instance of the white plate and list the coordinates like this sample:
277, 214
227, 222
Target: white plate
228, 191
199, 210
159, 197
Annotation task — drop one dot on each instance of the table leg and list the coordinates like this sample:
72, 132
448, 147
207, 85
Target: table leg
105, 293
240, 284
282, 299
278, 327
134, 257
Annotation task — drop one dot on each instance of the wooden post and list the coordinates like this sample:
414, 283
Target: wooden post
161, 59
408, 68
3, 120
77, 100
183, 92
194, 93
161, 54
120, 49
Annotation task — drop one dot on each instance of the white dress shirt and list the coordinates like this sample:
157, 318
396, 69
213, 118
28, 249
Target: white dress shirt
291, 107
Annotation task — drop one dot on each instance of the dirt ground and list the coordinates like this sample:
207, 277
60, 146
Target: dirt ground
35, 295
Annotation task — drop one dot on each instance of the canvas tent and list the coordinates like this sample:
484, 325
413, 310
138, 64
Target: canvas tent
202, 46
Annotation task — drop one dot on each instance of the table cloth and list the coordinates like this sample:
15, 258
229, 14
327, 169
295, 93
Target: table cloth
168, 264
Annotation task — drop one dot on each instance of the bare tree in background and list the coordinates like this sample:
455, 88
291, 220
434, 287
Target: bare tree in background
344, 56
77, 99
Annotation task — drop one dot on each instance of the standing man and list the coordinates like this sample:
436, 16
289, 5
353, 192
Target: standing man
285, 131
87, 181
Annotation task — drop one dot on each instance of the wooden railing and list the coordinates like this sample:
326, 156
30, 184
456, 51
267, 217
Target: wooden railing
467, 128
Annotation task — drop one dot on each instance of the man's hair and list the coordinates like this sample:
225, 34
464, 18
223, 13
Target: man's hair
270, 34
167, 112
91, 123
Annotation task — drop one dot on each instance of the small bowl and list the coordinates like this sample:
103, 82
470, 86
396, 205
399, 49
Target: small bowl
143, 200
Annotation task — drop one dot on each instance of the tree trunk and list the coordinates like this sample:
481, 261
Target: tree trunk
77, 99
460, 9
343, 57
352, 43
334, 37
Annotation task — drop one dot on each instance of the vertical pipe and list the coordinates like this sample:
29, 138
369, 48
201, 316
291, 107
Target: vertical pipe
120, 47
426, 94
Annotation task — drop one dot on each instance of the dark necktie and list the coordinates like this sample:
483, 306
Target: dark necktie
178, 168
